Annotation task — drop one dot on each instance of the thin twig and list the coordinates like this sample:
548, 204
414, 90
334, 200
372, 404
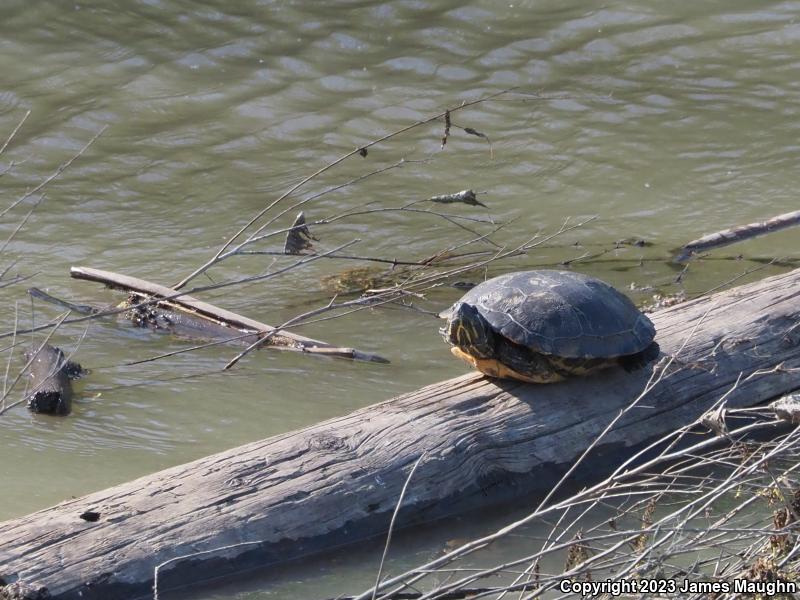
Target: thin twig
14, 132
205, 266
392, 522
56, 173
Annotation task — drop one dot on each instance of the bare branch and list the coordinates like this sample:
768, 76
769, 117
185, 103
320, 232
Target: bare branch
14, 132
63, 167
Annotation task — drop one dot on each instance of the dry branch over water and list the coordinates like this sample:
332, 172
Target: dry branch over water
231, 247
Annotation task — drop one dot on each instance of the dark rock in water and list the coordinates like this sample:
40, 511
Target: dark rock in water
50, 381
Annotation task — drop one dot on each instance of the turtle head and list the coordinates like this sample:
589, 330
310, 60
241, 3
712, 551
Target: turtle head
469, 331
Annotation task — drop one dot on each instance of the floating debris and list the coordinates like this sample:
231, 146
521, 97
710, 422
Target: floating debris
357, 280
464, 196
446, 128
298, 238
638, 242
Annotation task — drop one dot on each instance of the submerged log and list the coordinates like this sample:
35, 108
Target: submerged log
219, 317
737, 234
180, 323
50, 374
337, 482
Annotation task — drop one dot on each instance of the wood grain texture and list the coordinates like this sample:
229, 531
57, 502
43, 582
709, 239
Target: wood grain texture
337, 482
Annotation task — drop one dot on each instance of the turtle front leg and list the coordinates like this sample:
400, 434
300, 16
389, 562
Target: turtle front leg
528, 365
536, 372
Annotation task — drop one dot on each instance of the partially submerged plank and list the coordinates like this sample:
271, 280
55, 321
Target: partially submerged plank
337, 482
737, 234
285, 339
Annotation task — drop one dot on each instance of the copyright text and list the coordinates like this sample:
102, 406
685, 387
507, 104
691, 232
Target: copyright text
588, 589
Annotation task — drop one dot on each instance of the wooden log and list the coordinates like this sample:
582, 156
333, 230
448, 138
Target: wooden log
737, 234
337, 482
284, 339
50, 375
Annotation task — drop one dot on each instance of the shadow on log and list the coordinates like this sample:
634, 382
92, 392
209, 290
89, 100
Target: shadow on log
337, 482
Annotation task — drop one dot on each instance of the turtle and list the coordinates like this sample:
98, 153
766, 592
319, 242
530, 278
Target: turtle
545, 326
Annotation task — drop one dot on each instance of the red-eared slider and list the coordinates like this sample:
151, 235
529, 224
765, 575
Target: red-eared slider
545, 326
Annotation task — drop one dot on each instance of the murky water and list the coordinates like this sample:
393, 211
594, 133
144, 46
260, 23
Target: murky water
665, 120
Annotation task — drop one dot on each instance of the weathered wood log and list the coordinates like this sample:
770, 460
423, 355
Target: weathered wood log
50, 374
284, 339
737, 234
337, 482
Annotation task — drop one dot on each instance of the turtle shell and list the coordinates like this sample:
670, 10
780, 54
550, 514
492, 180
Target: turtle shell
562, 313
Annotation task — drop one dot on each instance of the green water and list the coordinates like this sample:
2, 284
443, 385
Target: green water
665, 120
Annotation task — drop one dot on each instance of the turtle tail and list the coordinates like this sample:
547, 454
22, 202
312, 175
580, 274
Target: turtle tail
633, 362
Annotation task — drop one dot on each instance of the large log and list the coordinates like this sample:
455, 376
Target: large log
337, 482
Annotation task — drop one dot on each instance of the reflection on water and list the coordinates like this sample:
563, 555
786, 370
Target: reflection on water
665, 120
